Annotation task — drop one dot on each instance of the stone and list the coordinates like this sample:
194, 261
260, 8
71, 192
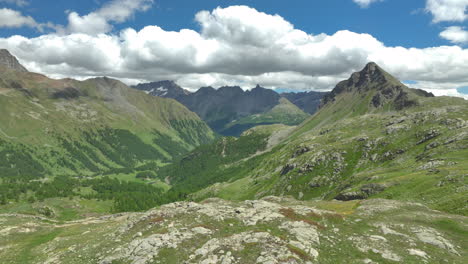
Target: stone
432, 133
349, 196
201, 230
372, 188
300, 151
417, 252
287, 168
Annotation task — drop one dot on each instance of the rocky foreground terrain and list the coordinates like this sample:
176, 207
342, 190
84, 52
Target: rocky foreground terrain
271, 230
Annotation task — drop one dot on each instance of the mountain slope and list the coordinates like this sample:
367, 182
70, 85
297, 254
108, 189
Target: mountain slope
308, 102
409, 146
50, 127
167, 89
10, 61
230, 110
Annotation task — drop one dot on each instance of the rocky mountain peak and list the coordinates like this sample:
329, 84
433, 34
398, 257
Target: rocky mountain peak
384, 88
10, 61
371, 73
166, 88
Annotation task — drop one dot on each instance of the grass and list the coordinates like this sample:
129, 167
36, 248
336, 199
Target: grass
27, 254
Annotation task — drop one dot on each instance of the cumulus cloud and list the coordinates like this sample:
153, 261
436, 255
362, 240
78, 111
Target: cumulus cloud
13, 19
100, 21
365, 3
15, 2
447, 10
237, 45
455, 34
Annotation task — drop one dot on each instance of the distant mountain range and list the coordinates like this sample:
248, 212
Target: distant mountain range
230, 110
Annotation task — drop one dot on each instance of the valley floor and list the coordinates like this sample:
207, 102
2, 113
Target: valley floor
271, 230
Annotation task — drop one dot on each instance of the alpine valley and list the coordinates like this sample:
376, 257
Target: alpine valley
230, 111
97, 172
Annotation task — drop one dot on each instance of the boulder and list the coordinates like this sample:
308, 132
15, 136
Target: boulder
287, 168
349, 196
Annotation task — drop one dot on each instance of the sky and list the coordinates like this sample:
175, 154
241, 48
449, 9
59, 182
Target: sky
295, 45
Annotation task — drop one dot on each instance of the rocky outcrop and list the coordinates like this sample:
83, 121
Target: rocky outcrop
287, 168
271, 230
10, 61
167, 89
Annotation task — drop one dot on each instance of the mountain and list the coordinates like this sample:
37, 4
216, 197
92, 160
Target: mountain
10, 61
230, 110
378, 86
373, 137
167, 89
55, 127
377, 175
308, 102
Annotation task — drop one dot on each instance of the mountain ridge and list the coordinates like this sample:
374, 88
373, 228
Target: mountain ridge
372, 77
225, 107
69, 116
10, 61
336, 153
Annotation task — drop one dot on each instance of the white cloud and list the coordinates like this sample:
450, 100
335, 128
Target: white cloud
455, 35
100, 21
13, 19
15, 2
440, 89
447, 10
365, 3
237, 46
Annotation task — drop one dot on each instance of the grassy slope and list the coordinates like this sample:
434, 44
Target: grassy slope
374, 230
340, 162
284, 113
61, 134
351, 144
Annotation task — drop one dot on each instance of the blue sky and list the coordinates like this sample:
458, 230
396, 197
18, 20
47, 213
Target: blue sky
422, 28
394, 22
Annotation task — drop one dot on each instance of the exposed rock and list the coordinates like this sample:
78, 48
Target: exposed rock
300, 151
431, 146
10, 61
217, 231
286, 169
314, 184
428, 136
306, 168
201, 230
373, 188
417, 252
349, 196
300, 195
395, 129
67, 93
433, 237
431, 164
